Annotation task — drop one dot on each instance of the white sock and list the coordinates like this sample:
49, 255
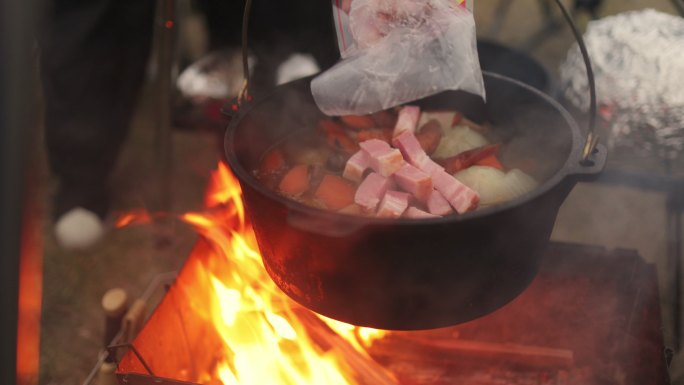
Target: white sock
78, 229
297, 66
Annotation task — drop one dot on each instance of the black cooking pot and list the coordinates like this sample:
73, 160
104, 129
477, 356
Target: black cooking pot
412, 274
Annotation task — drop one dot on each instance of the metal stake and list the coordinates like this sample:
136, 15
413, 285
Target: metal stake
166, 25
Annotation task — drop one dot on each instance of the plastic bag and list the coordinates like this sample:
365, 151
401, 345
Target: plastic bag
401, 50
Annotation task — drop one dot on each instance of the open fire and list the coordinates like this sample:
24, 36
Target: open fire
590, 317
265, 337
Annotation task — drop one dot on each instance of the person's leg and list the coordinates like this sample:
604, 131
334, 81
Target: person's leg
93, 60
280, 29
224, 22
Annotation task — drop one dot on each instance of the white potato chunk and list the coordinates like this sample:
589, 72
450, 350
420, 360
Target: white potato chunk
458, 139
495, 186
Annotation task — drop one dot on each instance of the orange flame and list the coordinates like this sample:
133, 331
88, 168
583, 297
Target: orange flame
264, 337
135, 217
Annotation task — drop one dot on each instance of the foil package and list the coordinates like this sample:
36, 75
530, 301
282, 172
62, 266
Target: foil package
638, 61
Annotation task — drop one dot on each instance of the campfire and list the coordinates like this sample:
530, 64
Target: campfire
251, 332
225, 322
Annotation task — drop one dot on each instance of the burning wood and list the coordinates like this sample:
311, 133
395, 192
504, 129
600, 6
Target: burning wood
368, 371
505, 354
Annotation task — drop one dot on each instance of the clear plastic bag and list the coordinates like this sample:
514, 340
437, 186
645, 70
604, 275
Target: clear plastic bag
400, 51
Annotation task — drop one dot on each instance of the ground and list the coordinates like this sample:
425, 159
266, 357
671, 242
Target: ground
599, 213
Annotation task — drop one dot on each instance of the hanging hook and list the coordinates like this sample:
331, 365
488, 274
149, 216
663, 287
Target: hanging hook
592, 137
244, 91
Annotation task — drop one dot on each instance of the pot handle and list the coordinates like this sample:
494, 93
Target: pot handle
589, 169
592, 138
590, 145
244, 95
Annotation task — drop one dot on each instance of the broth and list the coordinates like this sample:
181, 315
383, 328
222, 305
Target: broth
370, 165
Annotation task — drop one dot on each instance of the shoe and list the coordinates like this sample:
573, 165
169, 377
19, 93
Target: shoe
297, 66
79, 229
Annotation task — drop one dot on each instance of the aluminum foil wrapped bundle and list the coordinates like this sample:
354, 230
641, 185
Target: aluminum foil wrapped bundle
638, 60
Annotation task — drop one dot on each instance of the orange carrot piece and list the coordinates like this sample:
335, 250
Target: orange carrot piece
457, 119
385, 119
337, 138
335, 192
491, 161
429, 136
272, 162
468, 158
327, 125
359, 122
381, 134
296, 181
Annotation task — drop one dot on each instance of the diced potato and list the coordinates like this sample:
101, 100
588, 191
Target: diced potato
445, 118
459, 139
520, 183
495, 186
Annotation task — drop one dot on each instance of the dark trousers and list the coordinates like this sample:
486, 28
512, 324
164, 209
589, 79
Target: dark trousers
93, 60
276, 30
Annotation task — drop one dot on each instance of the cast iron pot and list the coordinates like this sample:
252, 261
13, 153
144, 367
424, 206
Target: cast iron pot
412, 274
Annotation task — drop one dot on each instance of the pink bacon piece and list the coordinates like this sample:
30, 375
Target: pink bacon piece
416, 213
460, 197
393, 204
371, 191
407, 121
356, 166
384, 159
410, 148
438, 205
415, 181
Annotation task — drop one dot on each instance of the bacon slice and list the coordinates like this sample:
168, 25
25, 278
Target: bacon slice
393, 204
459, 196
414, 181
410, 148
356, 166
384, 159
416, 213
408, 120
438, 205
371, 191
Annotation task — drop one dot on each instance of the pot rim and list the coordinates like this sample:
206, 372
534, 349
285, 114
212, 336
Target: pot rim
571, 166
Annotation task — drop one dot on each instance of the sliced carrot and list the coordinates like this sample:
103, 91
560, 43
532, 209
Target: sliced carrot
296, 181
359, 122
457, 119
491, 161
337, 138
272, 162
382, 134
429, 136
336, 193
467, 158
385, 119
